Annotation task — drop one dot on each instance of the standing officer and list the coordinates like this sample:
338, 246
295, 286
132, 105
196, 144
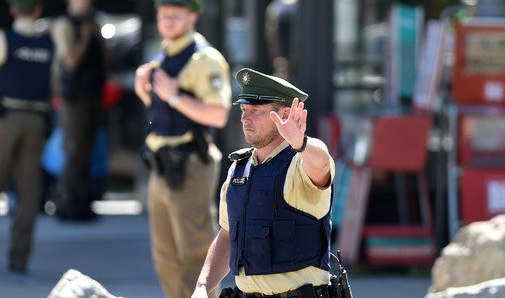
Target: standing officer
81, 60
275, 204
280, 16
26, 55
187, 92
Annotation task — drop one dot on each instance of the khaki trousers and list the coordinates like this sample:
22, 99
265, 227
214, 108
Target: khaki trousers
182, 225
22, 136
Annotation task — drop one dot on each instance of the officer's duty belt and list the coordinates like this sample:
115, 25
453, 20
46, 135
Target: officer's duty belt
24, 105
155, 141
305, 291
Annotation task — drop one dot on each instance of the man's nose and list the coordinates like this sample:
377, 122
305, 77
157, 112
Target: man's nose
244, 117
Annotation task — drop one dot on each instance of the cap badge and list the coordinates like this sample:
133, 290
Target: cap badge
246, 78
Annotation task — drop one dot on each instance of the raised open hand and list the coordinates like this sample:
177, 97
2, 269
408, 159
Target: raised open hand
293, 128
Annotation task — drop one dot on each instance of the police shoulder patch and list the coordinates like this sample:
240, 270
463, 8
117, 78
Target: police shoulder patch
216, 81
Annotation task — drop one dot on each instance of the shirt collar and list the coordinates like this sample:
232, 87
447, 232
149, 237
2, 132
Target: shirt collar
272, 154
25, 26
180, 44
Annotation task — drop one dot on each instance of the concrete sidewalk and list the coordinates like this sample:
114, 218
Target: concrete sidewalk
115, 252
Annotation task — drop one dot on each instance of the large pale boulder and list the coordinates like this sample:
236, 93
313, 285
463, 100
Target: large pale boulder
74, 284
477, 254
489, 289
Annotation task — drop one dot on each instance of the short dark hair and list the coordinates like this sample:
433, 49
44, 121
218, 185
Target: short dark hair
25, 7
277, 106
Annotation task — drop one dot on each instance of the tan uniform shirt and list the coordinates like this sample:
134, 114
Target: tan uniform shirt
301, 193
63, 36
206, 75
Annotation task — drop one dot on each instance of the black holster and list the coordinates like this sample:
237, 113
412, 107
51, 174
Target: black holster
173, 162
340, 287
169, 162
150, 160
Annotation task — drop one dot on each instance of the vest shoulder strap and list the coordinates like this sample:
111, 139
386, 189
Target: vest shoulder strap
241, 154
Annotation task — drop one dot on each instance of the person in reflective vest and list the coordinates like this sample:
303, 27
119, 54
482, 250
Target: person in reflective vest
26, 58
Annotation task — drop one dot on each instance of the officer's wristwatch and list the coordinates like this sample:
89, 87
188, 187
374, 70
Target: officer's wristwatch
304, 145
174, 100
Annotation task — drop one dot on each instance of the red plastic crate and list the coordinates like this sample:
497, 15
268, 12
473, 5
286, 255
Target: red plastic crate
399, 143
477, 75
481, 140
482, 193
399, 245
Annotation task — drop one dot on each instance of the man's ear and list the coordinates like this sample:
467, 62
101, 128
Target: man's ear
194, 18
37, 12
13, 11
285, 113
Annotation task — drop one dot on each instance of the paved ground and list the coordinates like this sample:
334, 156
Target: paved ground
115, 252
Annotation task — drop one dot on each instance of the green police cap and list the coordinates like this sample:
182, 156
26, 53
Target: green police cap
194, 5
259, 88
24, 6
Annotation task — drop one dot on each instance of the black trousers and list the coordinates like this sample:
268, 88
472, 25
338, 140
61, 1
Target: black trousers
81, 119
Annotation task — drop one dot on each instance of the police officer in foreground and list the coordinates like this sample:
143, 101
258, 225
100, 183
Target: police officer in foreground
275, 204
187, 93
26, 57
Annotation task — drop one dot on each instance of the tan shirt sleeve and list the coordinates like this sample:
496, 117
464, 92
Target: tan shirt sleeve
302, 194
223, 207
3, 47
63, 37
207, 75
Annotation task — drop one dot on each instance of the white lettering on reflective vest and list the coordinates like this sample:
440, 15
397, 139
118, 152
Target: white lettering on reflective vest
38, 55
